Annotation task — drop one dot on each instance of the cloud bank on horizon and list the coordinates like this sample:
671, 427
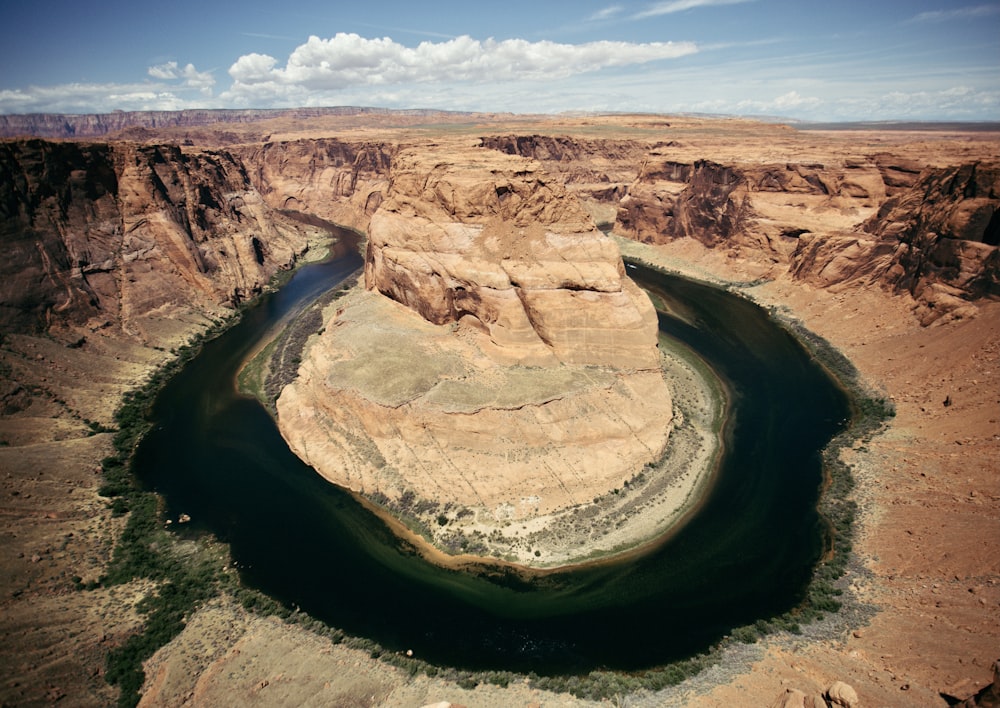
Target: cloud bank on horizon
905, 59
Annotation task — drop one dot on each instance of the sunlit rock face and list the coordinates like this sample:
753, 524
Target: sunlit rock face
498, 359
929, 231
935, 238
337, 180
486, 239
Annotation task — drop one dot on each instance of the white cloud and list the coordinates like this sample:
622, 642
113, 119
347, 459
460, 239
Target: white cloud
163, 71
957, 103
960, 13
521, 76
605, 13
792, 100
671, 6
188, 75
252, 68
348, 60
99, 98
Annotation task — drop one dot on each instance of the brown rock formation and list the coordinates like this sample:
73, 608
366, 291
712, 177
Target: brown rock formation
387, 403
339, 181
936, 240
499, 269
122, 235
493, 242
705, 201
933, 234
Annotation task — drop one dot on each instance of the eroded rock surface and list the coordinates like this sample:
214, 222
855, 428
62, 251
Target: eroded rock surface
491, 241
935, 239
500, 360
340, 181
387, 403
929, 228
125, 236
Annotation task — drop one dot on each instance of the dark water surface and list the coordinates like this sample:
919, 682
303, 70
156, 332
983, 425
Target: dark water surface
747, 554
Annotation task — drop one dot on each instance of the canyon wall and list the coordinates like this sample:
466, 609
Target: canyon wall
935, 239
927, 229
125, 236
83, 221
339, 181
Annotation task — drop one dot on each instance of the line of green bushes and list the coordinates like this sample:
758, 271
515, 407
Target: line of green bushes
146, 550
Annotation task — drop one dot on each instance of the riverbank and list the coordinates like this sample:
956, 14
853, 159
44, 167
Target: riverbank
628, 522
630, 516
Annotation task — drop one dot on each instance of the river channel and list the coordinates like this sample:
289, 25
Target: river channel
747, 554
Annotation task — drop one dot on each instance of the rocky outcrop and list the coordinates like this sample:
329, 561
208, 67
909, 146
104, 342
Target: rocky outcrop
936, 240
794, 698
121, 235
753, 205
390, 405
837, 695
492, 242
577, 160
669, 200
335, 180
932, 233
499, 363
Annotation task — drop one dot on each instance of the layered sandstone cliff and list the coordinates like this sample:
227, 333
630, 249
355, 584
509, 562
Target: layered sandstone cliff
340, 181
935, 239
499, 362
494, 243
930, 232
924, 227
128, 236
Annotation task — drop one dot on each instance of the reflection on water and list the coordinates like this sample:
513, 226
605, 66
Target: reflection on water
747, 554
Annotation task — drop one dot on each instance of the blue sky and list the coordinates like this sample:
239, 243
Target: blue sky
803, 59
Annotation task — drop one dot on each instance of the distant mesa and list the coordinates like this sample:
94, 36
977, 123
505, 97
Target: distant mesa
99, 125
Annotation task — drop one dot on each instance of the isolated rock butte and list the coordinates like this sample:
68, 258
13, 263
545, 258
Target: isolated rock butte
499, 358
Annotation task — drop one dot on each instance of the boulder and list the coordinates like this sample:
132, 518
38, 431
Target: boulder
841, 694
